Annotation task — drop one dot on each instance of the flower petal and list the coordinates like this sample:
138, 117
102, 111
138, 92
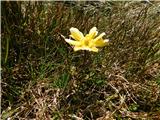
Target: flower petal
94, 49
99, 37
72, 42
76, 48
106, 40
92, 33
76, 34
93, 30
100, 43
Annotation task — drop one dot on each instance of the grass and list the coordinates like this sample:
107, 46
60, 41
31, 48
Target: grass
43, 78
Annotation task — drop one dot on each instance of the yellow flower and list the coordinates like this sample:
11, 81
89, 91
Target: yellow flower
88, 42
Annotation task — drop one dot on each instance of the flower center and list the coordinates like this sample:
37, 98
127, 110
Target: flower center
86, 42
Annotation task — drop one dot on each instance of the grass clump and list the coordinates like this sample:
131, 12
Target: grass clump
43, 78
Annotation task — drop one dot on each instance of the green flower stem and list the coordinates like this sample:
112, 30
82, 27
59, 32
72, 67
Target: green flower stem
7, 50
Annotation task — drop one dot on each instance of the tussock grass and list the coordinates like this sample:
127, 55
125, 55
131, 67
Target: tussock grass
44, 79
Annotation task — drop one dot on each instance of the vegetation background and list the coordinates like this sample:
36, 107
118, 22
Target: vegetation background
43, 79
